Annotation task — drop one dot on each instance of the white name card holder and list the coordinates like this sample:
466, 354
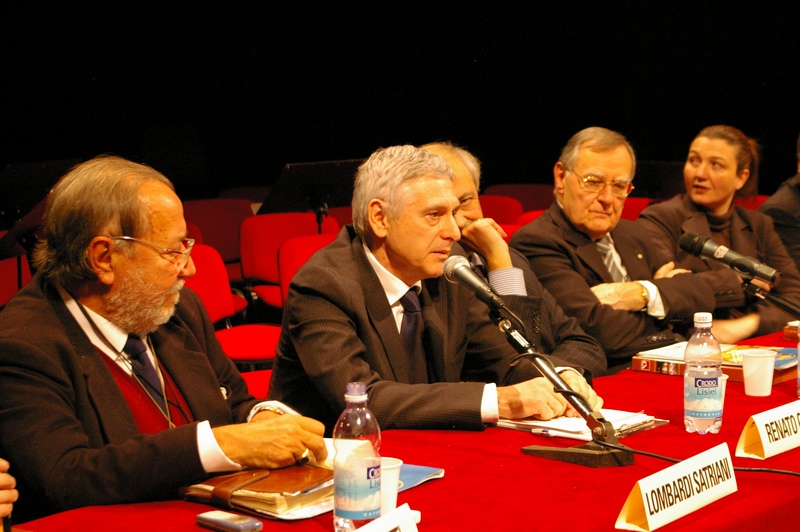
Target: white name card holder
679, 490
771, 432
401, 519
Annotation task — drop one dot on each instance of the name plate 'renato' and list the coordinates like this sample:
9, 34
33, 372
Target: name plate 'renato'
679, 490
771, 432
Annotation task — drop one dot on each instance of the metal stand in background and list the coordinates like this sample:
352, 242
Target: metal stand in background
591, 454
320, 208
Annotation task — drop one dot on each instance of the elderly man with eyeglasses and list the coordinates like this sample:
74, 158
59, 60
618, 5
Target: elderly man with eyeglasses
601, 269
114, 387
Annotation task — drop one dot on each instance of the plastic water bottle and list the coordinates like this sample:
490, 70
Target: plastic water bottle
357, 464
702, 385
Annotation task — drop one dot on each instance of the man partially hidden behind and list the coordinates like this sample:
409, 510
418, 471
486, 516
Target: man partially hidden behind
114, 387
549, 330
345, 317
599, 268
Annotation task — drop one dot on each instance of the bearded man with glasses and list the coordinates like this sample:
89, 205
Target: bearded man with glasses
114, 386
601, 269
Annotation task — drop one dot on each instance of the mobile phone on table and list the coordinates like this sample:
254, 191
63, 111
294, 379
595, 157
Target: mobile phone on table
228, 522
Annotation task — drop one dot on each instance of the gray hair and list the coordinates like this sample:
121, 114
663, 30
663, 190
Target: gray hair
472, 164
596, 139
383, 176
99, 196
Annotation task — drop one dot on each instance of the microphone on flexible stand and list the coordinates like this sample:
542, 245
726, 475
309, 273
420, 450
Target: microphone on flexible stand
457, 270
747, 267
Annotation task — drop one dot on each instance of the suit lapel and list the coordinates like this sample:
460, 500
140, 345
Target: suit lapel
631, 255
590, 256
585, 248
743, 239
115, 418
380, 314
189, 370
696, 223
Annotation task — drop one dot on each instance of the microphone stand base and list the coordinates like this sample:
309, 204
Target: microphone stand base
589, 454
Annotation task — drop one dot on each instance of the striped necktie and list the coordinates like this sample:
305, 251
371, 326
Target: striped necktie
606, 248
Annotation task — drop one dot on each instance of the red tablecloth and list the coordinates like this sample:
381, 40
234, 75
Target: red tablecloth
490, 485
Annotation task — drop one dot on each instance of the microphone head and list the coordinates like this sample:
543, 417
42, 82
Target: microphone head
692, 243
450, 265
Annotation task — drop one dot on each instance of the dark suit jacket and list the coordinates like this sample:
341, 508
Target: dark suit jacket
338, 327
568, 264
784, 208
549, 330
752, 235
65, 426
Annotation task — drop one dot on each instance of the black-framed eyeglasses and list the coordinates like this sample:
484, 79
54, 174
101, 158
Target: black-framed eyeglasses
594, 185
177, 257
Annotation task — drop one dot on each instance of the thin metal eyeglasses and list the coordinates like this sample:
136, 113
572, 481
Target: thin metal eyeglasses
176, 257
595, 185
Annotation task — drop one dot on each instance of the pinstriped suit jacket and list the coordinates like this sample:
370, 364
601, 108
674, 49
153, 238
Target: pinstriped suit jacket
338, 328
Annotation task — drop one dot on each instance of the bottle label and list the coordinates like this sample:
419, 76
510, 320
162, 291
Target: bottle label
357, 492
703, 397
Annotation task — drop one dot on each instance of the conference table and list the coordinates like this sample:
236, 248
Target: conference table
489, 484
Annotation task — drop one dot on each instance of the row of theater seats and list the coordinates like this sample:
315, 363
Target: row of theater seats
239, 252
212, 284
240, 255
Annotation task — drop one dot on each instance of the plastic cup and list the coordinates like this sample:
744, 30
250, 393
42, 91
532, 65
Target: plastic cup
390, 482
757, 367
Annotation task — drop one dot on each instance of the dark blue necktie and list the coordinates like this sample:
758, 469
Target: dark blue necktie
411, 331
143, 369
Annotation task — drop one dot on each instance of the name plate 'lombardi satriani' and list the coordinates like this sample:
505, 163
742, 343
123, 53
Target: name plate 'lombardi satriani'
679, 490
771, 432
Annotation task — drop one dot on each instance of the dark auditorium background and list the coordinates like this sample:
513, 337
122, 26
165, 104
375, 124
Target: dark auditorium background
221, 94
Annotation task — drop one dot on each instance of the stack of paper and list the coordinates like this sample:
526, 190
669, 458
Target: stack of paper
625, 423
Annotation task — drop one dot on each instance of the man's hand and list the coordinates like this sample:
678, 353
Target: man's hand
272, 442
486, 237
579, 385
536, 398
8, 493
620, 296
735, 329
669, 270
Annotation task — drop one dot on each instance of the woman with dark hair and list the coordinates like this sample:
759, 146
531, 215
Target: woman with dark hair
722, 164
